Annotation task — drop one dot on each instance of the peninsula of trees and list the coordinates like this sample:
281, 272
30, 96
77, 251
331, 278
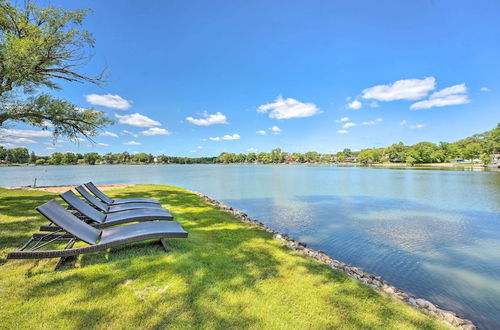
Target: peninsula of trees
479, 147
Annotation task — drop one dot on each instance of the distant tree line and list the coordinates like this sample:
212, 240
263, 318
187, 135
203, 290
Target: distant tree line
478, 146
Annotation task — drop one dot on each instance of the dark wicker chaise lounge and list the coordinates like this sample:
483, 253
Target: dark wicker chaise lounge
106, 199
103, 220
113, 208
97, 239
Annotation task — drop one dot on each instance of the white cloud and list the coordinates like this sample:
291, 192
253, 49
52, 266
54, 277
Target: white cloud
349, 124
207, 120
193, 151
6, 145
226, 137
374, 104
109, 134
261, 132
417, 126
342, 131
50, 148
8, 139
275, 129
102, 144
108, 101
155, 131
343, 119
289, 108
403, 122
132, 143
355, 105
27, 133
125, 132
453, 95
485, 89
407, 89
372, 122
199, 147
252, 150
137, 120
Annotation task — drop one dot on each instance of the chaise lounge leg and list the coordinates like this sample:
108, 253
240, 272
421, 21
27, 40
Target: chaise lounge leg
164, 244
63, 259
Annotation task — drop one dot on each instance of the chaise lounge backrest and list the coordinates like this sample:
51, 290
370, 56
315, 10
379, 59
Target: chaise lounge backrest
56, 213
94, 201
93, 189
75, 202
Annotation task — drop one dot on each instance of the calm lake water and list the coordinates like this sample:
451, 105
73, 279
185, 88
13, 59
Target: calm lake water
434, 233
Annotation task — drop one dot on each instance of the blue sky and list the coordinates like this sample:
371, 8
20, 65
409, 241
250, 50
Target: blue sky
197, 78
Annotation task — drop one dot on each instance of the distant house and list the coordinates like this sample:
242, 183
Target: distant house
495, 158
457, 160
287, 159
351, 159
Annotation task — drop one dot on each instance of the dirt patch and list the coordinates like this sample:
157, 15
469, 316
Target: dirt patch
60, 189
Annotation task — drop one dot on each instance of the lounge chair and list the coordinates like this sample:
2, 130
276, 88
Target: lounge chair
97, 239
113, 208
103, 220
109, 201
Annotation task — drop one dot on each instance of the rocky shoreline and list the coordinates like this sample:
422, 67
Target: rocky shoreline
374, 281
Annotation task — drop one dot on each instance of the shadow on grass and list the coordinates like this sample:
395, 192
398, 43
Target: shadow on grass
222, 257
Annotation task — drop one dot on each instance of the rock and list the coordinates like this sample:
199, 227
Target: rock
422, 303
468, 326
413, 302
448, 317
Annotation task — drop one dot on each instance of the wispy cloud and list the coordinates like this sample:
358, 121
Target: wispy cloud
289, 108
342, 131
372, 122
155, 131
355, 105
403, 122
109, 134
102, 144
12, 140
406, 89
108, 101
252, 150
485, 89
208, 119
137, 120
132, 143
453, 95
261, 132
276, 130
343, 119
349, 125
27, 133
226, 137
417, 126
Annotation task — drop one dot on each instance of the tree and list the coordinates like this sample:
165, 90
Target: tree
39, 46
486, 159
32, 157
56, 158
472, 151
275, 156
91, 158
69, 158
18, 155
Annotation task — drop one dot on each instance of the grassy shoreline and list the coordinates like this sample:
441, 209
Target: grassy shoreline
225, 275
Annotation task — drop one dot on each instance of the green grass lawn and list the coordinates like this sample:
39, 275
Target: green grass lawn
225, 275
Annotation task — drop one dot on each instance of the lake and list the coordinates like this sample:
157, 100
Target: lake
431, 232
